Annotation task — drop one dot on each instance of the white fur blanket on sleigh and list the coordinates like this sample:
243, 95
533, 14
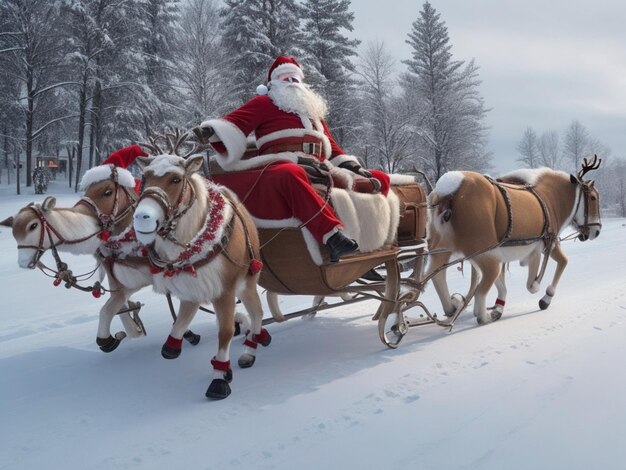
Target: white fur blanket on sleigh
370, 219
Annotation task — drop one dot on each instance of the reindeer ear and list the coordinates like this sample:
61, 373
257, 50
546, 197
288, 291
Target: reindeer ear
573, 179
143, 162
8, 222
49, 203
193, 164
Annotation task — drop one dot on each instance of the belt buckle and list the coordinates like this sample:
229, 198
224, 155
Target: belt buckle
310, 148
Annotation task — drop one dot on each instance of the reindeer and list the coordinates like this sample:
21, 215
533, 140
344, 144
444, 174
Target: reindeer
203, 247
100, 223
493, 222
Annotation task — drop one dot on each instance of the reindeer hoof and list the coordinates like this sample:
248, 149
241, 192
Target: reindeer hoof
170, 353
246, 360
496, 314
543, 304
218, 390
109, 344
263, 338
483, 321
191, 337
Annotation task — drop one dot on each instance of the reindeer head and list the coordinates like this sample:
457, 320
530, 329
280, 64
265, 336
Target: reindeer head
587, 217
29, 231
166, 189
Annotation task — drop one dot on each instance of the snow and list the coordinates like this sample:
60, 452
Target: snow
537, 389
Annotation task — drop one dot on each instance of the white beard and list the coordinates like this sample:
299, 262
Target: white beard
297, 98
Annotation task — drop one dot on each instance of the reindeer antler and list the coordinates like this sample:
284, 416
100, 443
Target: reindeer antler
586, 166
173, 143
152, 145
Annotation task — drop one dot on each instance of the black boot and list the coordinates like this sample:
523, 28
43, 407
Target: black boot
372, 275
340, 245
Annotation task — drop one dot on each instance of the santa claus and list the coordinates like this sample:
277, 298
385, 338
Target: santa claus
286, 123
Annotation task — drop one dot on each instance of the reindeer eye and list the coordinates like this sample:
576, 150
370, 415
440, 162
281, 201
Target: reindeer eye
108, 192
33, 226
593, 198
176, 179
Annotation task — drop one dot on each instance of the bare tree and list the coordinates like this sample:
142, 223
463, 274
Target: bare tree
576, 142
528, 148
548, 146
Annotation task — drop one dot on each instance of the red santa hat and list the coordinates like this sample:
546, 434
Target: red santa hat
118, 160
123, 158
281, 65
284, 64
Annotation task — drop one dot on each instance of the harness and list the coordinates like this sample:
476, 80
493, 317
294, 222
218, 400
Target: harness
209, 243
548, 235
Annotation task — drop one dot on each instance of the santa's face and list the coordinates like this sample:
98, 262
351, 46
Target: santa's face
289, 93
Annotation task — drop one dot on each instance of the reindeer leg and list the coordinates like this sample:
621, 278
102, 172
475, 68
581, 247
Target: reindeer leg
250, 298
448, 303
533, 260
498, 308
489, 268
561, 262
222, 373
115, 302
173, 346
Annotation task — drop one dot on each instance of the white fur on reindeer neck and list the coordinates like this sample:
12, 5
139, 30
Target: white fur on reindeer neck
208, 242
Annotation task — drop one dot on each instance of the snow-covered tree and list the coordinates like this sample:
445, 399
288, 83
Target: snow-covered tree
528, 148
201, 62
255, 32
30, 51
386, 133
161, 103
452, 135
327, 56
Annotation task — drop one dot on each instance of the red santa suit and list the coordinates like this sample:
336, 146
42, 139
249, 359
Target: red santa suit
269, 182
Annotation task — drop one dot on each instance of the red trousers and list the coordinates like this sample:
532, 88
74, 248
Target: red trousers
282, 191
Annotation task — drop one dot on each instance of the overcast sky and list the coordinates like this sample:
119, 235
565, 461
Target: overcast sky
543, 63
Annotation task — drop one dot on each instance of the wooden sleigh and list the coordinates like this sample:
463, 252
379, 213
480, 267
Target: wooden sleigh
282, 276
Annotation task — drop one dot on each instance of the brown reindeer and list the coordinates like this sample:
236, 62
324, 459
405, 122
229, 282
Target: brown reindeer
101, 224
492, 222
203, 247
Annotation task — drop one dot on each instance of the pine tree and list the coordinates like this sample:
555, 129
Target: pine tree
255, 32
450, 132
327, 60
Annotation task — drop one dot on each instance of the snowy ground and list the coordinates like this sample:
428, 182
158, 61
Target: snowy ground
541, 390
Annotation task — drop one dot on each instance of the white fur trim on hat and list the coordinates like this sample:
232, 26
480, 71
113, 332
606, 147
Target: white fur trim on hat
287, 68
102, 173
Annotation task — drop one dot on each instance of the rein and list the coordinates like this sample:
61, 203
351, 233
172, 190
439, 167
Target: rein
49, 229
107, 223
